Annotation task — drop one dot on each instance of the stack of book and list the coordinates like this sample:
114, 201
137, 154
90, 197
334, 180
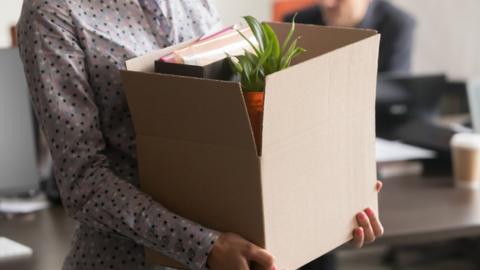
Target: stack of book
206, 57
214, 47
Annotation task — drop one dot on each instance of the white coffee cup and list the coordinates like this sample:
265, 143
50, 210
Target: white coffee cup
466, 160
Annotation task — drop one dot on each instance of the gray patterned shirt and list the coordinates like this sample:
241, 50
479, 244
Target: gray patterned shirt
72, 52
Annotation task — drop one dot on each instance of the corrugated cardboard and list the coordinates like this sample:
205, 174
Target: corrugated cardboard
197, 154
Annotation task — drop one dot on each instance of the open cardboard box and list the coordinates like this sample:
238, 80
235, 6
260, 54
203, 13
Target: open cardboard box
299, 198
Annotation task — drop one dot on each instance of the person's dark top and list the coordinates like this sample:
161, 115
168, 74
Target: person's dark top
395, 26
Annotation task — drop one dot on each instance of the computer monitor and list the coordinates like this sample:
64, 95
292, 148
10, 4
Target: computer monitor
18, 167
402, 99
474, 102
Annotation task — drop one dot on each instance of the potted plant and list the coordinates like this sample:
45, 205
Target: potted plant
268, 57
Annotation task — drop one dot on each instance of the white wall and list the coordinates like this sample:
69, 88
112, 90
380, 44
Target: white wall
231, 11
448, 36
9, 14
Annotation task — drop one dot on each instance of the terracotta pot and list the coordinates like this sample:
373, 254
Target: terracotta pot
254, 102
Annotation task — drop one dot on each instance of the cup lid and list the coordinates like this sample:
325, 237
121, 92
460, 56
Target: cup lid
466, 140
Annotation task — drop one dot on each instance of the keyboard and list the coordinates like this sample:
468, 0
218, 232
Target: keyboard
11, 250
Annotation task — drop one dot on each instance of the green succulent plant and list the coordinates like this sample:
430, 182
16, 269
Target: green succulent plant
268, 57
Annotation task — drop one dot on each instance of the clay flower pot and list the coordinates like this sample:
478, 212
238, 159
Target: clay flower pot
254, 102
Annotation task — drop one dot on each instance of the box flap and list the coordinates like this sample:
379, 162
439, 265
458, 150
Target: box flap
217, 187
318, 40
188, 109
329, 86
318, 141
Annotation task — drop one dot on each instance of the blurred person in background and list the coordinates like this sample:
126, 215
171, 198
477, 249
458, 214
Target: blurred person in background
395, 26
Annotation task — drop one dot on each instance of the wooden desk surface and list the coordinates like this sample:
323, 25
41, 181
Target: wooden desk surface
417, 209
47, 232
412, 209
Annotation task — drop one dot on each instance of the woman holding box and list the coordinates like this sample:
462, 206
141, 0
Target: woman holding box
72, 52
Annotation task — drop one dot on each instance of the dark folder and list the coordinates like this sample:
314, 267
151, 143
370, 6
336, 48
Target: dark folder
219, 70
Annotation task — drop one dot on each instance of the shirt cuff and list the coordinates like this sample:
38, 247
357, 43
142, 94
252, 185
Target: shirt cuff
205, 245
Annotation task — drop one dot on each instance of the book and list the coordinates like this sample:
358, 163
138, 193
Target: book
214, 47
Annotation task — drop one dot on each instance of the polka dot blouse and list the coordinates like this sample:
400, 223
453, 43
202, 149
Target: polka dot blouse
72, 52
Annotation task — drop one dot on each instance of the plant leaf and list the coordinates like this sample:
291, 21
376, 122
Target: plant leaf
287, 60
290, 34
267, 57
272, 39
255, 48
256, 30
234, 63
251, 57
246, 65
287, 54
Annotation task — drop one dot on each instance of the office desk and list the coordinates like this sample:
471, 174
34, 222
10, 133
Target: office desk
417, 210
47, 232
413, 210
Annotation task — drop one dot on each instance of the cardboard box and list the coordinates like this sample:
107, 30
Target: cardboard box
299, 199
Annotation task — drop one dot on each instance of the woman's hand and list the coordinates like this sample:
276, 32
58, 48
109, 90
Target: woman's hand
370, 228
231, 251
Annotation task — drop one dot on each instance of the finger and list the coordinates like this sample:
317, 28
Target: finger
364, 222
261, 256
256, 266
379, 186
244, 265
374, 222
358, 237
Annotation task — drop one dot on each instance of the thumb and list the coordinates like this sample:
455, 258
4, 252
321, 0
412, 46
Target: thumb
260, 256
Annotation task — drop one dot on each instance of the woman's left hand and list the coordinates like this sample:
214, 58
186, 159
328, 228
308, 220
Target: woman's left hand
369, 226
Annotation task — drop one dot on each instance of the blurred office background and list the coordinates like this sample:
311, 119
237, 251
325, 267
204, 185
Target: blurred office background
447, 42
446, 37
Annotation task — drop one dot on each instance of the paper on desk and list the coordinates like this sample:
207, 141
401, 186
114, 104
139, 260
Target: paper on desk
391, 151
23, 206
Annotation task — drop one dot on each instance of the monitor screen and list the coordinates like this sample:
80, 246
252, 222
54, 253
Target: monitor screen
403, 99
18, 168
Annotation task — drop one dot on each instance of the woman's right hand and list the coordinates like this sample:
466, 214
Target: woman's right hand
231, 251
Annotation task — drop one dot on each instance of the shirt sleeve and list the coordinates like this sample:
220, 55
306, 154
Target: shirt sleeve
398, 44
210, 21
64, 104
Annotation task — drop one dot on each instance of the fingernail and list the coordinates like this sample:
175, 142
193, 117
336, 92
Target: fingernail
274, 268
369, 212
361, 216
